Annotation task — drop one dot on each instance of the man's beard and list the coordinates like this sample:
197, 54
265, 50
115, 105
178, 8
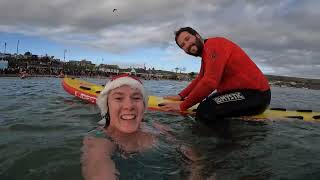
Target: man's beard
199, 46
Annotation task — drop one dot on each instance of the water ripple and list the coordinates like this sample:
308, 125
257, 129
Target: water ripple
41, 130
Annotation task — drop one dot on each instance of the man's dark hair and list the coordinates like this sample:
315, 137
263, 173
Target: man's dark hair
187, 29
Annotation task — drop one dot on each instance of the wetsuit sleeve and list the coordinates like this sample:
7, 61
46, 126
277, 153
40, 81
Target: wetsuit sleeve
214, 65
185, 92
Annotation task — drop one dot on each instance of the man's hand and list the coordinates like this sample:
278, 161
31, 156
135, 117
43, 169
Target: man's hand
174, 98
173, 106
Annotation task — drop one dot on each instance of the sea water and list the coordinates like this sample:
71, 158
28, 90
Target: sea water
42, 127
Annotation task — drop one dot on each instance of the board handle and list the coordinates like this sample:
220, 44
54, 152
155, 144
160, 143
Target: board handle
85, 88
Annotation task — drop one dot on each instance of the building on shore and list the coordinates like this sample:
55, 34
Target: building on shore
3, 64
109, 69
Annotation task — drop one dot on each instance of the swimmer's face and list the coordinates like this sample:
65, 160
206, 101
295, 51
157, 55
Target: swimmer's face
126, 108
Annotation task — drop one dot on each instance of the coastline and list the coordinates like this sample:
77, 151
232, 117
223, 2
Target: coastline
274, 81
284, 81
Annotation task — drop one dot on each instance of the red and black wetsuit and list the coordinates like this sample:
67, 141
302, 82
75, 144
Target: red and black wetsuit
226, 68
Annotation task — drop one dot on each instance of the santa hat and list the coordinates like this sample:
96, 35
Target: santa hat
115, 82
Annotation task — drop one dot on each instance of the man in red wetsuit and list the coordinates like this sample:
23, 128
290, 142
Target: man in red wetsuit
229, 83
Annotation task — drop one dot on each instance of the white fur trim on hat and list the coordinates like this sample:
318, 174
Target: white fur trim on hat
113, 84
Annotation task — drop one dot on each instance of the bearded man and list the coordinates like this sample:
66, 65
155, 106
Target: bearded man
229, 83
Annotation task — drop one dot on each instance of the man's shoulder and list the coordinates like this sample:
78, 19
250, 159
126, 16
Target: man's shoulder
218, 39
218, 42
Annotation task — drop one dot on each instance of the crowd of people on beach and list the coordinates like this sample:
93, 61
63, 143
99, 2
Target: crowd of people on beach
34, 71
27, 72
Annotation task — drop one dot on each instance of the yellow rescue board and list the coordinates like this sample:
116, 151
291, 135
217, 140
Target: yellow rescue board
89, 91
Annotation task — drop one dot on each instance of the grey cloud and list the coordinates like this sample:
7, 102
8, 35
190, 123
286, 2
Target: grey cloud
283, 36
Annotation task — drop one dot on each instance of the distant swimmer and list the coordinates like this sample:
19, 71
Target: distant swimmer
114, 10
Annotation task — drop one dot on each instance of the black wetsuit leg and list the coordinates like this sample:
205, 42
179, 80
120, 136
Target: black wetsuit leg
233, 104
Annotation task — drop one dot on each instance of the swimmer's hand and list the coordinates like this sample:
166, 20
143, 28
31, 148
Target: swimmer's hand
189, 153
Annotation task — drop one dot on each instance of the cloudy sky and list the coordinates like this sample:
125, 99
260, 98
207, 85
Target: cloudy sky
282, 37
